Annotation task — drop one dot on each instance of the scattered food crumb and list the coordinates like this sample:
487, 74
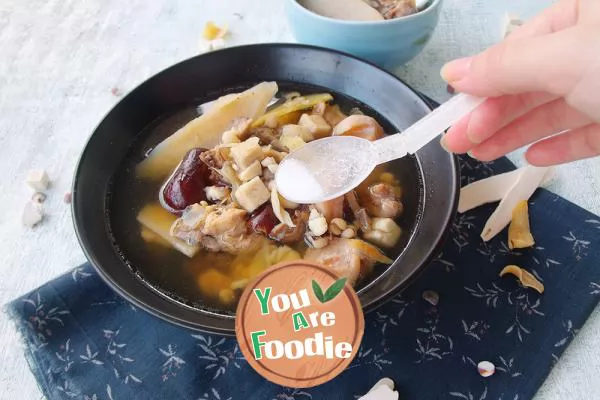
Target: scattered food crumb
38, 180
213, 37
431, 297
450, 89
212, 31
238, 15
68, 197
486, 369
38, 197
526, 279
32, 214
116, 92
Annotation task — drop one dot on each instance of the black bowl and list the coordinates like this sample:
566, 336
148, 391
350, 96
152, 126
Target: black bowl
430, 178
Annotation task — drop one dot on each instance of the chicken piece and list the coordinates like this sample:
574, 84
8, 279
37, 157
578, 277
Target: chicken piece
344, 256
213, 158
380, 200
216, 228
351, 258
340, 257
265, 135
268, 137
332, 208
231, 221
361, 126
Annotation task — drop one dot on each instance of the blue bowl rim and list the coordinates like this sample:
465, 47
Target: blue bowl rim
431, 8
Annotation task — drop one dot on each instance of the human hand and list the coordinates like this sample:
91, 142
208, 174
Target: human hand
543, 82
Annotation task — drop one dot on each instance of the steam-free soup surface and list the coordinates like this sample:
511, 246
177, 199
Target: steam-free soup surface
213, 280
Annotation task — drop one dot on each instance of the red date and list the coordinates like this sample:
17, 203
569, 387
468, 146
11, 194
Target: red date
186, 185
263, 220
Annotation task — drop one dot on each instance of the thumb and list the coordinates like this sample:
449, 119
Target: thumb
550, 63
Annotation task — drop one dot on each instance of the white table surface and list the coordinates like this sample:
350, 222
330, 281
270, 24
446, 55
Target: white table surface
59, 60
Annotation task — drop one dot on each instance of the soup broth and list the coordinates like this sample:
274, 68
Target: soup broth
213, 280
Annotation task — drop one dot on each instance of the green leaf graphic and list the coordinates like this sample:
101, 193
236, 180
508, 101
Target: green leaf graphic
318, 291
334, 290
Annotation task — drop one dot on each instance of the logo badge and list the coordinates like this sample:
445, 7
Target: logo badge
299, 324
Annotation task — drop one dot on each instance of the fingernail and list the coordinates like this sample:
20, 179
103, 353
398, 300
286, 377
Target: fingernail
444, 144
456, 70
470, 132
470, 154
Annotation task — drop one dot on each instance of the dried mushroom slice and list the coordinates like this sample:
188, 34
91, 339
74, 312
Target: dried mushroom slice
519, 232
526, 278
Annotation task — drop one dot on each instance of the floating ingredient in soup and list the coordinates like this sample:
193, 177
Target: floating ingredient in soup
263, 220
293, 105
216, 228
350, 258
384, 232
222, 210
361, 126
206, 130
159, 221
187, 183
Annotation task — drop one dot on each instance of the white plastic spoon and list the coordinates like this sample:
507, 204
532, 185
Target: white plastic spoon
328, 168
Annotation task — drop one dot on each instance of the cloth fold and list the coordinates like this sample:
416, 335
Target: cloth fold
83, 341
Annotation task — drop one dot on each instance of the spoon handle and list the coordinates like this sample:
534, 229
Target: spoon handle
426, 129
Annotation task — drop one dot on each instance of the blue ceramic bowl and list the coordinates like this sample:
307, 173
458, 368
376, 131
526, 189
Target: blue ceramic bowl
387, 43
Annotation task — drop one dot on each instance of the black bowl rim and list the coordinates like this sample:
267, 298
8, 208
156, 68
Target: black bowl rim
427, 259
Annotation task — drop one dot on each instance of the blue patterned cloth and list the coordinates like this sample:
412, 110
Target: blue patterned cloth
85, 342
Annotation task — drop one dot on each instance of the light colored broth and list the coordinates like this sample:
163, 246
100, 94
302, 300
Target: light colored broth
178, 276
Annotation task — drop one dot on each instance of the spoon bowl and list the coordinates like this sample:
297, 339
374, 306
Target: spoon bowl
324, 169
